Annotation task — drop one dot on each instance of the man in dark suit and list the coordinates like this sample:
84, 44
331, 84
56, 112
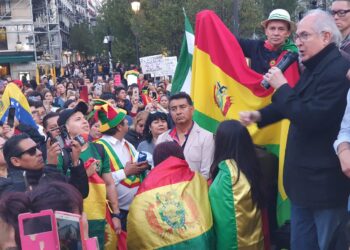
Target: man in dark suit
313, 179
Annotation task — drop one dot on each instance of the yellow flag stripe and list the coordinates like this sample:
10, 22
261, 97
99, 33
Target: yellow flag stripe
177, 213
205, 77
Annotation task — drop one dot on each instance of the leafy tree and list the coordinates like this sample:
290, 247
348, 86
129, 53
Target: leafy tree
289, 5
250, 17
159, 25
80, 38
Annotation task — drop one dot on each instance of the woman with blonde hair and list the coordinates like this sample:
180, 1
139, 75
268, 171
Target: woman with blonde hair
135, 133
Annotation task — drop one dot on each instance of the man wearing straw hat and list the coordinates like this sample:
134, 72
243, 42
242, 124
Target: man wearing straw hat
264, 54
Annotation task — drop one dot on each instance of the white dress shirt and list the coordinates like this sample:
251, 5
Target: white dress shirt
125, 194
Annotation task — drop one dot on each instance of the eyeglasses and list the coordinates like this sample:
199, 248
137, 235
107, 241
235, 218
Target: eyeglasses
31, 151
54, 129
340, 13
303, 36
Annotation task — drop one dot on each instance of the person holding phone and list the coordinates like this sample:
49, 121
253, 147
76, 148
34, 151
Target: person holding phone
97, 166
26, 166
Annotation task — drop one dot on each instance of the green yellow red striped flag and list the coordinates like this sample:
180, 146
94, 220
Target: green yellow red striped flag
98, 214
223, 85
171, 210
237, 220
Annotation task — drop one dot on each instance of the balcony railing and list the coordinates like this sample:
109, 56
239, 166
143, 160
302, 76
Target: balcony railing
5, 9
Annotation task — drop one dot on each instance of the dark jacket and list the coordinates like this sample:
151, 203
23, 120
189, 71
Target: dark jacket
315, 107
260, 57
18, 180
134, 138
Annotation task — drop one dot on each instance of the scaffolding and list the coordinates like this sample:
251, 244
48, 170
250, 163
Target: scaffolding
48, 41
41, 31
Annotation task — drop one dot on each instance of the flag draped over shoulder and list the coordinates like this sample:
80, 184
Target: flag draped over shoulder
13, 97
237, 220
171, 210
183, 72
223, 85
98, 214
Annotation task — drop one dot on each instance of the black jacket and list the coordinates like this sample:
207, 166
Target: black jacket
19, 180
260, 57
315, 107
134, 138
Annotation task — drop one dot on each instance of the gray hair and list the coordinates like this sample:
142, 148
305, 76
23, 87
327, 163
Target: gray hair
325, 23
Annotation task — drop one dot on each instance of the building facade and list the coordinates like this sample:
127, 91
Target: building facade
17, 50
34, 34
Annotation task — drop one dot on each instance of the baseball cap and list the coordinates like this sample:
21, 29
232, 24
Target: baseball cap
65, 114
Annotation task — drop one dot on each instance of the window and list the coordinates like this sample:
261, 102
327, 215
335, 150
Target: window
5, 9
3, 38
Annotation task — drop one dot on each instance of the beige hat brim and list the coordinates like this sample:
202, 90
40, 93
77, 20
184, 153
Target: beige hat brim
292, 25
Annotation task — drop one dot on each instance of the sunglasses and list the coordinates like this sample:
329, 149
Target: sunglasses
340, 13
31, 151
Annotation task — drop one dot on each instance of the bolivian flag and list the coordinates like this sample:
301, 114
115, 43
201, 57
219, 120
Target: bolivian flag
223, 85
97, 212
171, 210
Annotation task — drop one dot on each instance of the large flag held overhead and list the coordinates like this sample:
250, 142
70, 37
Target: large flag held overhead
183, 72
223, 85
171, 210
13, 97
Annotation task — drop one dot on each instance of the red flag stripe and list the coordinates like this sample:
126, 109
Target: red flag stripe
215, 39
162, 174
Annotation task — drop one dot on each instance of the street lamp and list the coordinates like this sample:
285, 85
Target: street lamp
135, 6
108, 40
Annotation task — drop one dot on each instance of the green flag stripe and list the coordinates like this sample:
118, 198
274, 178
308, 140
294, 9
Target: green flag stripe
182, 69
204, 241
222, 202
205, 121
182, 79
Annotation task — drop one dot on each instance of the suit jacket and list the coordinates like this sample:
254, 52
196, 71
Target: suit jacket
312, 172
199, 149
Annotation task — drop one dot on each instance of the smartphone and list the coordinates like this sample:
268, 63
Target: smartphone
80, 139
70, 231
11, 117
92, 244
154, 95
142, 157
58, 139
38, 230
65, 137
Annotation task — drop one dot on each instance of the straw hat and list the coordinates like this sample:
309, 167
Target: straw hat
282, 15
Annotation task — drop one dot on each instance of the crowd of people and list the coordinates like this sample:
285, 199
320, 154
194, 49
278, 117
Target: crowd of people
102, 140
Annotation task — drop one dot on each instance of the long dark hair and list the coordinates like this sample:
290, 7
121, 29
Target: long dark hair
153, 117
166, 149
232, 141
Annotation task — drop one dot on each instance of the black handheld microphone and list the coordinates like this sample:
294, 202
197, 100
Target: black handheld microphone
285, 62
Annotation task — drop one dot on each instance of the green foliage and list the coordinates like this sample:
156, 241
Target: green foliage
80, 38
289, 5
159, 25
250, 17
